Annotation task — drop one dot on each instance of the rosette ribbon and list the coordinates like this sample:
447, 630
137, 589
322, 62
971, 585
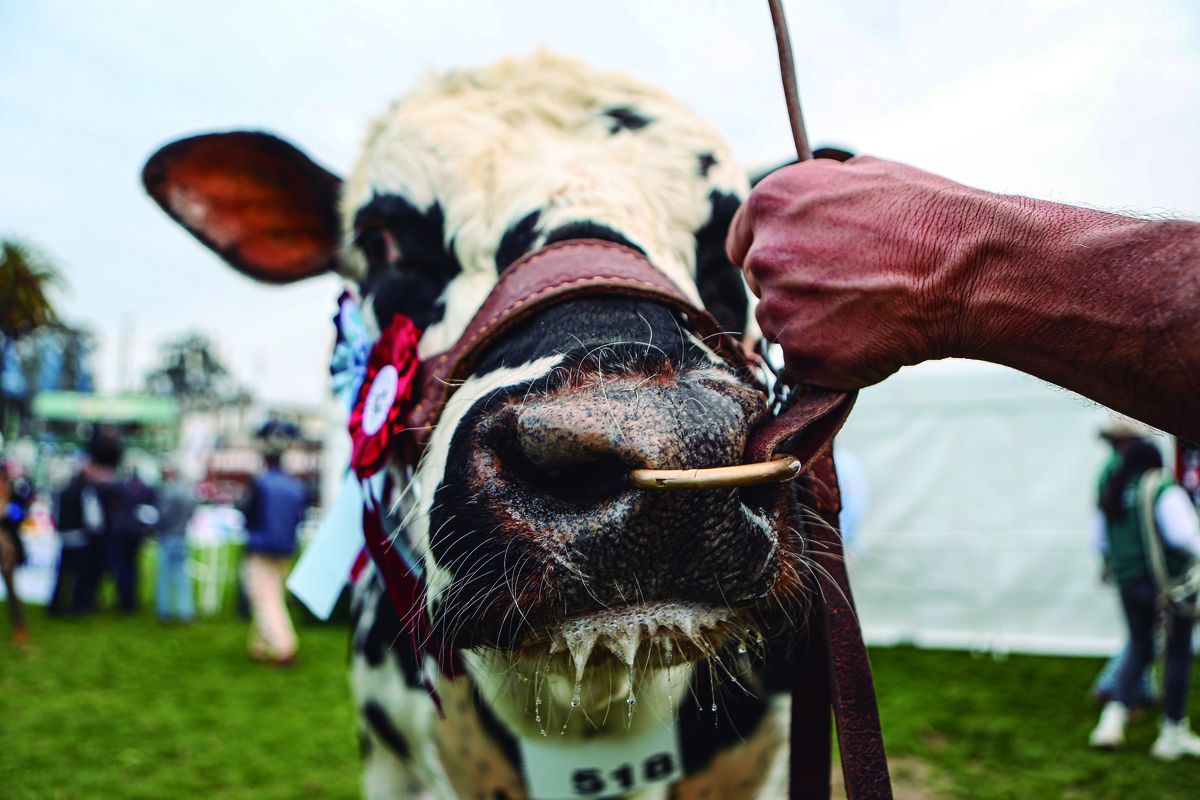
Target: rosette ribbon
348, 364
384, 395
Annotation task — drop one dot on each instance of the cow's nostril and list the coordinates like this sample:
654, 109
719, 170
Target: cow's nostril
565, 451
585, 482
760, 498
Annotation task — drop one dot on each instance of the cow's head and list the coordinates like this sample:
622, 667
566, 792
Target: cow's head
535, 542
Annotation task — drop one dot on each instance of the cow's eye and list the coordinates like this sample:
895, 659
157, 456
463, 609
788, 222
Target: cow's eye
377, 246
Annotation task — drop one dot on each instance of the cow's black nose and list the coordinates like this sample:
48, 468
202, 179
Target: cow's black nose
557, 468
581, 446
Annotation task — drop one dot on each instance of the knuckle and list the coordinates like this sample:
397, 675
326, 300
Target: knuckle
764, 200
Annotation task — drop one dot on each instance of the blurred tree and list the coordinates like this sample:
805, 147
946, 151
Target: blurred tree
26, 276
192, 373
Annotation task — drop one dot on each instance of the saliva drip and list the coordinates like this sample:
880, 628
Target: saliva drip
712, 690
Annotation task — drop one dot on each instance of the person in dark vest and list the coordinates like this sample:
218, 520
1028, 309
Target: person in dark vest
1142, 508
1120, 433
74, 571
274, 506
133, 512
93, 510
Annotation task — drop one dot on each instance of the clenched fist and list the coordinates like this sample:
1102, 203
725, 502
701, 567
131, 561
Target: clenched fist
865, 266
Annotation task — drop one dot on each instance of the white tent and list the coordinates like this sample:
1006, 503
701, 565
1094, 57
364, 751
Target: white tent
981, 486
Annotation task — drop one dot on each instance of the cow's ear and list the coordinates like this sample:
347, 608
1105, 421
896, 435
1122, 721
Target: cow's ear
255, 200
832, 153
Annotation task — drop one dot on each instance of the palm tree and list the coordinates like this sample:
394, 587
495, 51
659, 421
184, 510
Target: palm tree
26, 275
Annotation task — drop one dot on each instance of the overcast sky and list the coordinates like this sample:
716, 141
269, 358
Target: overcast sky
1087, 101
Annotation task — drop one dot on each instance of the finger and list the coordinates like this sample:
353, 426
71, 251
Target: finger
741, 234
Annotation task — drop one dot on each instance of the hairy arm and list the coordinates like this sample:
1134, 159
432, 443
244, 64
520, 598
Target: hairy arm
868, 266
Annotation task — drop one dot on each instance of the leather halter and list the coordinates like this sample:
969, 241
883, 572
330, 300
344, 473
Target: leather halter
833, 669
563, 271
580, 268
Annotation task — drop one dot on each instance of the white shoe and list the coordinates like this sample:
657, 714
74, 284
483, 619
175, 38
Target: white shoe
1175, 739
1109, 732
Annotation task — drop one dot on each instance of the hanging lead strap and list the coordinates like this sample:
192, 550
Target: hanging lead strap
846, 665
787, 71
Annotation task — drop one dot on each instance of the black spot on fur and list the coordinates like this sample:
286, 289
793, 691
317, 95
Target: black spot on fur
779, 662
614, 333
499, 734
737, 718
718, 280
626, 118
586, 229
379, 721
413, 285
705, 163
517, 240
386, 635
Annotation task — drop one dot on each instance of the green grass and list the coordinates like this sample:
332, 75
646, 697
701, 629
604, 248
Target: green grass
121, 707
1016, 728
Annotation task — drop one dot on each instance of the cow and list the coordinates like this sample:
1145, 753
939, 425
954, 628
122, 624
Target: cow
584, 610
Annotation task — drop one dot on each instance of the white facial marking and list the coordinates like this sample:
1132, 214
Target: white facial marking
432, 468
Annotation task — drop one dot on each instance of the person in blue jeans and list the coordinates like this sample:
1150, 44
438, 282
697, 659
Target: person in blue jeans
1143, 511
1120, 434
173, 587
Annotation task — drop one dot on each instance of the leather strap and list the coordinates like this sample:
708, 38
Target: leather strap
860, 736
810, 757
804, 429
562, 271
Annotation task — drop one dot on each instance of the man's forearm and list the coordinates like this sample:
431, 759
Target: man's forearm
1103, 305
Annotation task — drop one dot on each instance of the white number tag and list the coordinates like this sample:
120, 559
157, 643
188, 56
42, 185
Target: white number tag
602, 767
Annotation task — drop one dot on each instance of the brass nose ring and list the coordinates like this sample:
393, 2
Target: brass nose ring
776, 471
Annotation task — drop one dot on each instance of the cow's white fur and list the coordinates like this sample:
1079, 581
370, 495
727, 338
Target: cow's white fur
529, 134
433, 466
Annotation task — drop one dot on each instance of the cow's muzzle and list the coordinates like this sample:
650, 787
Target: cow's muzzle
553, 472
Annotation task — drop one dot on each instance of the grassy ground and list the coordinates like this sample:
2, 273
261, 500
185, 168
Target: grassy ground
1016, 728
121, 707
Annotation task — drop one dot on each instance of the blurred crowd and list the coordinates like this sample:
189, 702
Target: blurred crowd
103, 519
104, 515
